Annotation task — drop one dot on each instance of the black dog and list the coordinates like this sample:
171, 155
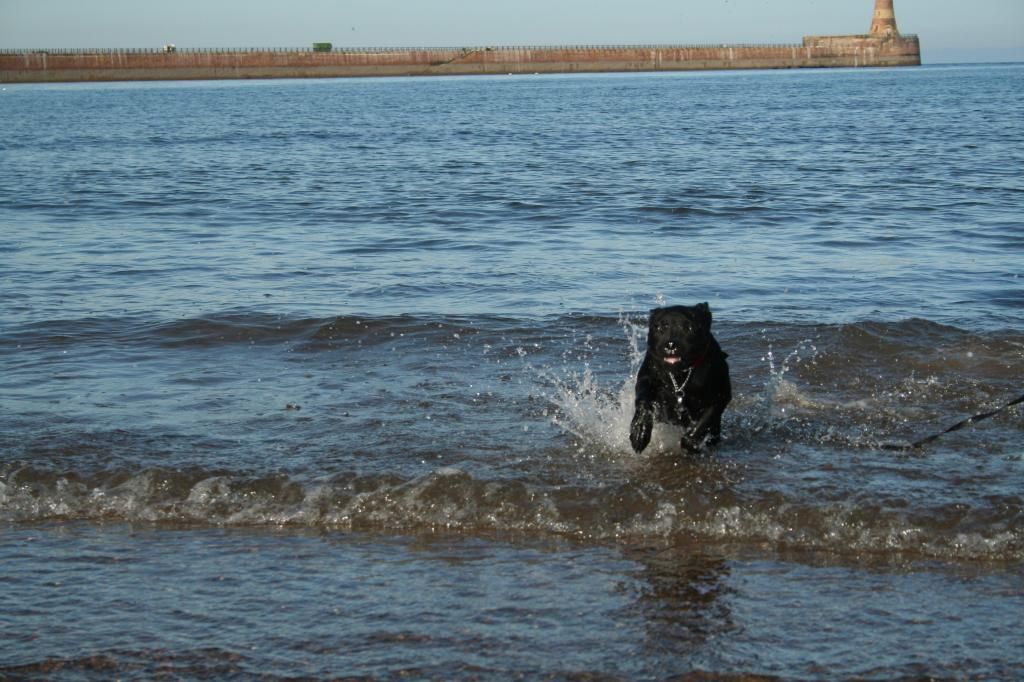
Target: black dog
684, 379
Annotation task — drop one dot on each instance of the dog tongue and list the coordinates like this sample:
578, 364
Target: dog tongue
671, 359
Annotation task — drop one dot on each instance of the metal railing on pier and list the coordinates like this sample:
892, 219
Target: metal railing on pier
76, 51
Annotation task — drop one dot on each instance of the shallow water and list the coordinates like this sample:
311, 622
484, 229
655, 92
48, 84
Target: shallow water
326, 378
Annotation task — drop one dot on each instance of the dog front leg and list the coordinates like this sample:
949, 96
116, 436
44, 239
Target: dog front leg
709, 423
642, 426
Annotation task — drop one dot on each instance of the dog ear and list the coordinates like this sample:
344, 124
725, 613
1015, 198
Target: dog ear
704, 313
650, 325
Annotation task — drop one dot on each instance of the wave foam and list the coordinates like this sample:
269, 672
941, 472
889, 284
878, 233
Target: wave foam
451, 500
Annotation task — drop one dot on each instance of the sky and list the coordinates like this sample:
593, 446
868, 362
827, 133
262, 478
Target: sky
950, 30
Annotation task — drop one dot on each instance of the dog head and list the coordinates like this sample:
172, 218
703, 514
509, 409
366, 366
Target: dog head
679, 336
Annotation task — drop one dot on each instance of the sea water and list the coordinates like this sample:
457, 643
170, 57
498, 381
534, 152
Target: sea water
333, 378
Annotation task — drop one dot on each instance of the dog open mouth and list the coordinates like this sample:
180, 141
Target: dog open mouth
672, 359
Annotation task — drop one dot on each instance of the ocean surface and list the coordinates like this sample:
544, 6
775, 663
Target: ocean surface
332, 378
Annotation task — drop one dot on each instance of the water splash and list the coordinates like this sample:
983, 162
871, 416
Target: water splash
594, 415
781, 393
599, 416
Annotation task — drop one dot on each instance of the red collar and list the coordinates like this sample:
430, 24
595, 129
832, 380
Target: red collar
703, 358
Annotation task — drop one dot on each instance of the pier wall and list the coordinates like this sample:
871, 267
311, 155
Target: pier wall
25, 66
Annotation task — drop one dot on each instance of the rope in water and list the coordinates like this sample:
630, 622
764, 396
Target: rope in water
903, 447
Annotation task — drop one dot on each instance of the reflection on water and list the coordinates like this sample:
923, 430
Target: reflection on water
683, 596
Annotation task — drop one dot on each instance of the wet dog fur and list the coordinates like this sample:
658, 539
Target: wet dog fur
684, 379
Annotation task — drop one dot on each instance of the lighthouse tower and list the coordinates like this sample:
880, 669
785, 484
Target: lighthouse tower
884, 21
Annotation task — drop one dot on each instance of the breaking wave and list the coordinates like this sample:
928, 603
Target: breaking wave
451, 500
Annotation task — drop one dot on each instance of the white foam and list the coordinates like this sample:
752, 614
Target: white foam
598, 416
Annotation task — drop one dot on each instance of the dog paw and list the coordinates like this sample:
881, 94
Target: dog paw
690, 446
640, 430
